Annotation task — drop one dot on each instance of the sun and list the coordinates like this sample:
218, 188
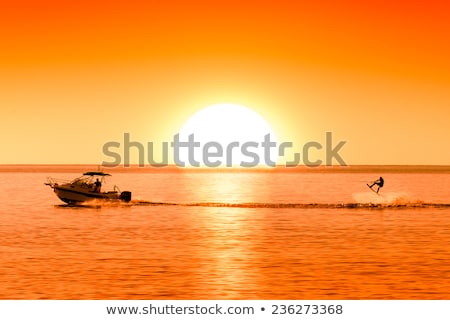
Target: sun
227, 135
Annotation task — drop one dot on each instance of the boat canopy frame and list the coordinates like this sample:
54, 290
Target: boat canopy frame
96, 173
87, 178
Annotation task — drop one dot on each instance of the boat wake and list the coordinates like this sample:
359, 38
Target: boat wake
393, 198
363, 200
350, 205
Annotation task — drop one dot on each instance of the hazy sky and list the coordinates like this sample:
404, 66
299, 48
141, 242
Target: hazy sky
76, 74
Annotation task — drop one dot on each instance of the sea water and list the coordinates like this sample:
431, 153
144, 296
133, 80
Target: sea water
228, 235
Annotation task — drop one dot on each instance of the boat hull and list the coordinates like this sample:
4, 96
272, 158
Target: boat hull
72, 196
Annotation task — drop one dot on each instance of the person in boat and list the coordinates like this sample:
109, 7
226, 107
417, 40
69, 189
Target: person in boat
379, 183
97, 185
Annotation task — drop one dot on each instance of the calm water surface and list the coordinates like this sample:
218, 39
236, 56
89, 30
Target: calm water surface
135, 251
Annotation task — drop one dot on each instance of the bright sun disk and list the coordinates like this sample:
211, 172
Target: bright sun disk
227, 123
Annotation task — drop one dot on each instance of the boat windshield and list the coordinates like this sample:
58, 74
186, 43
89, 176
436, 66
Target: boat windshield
88, 180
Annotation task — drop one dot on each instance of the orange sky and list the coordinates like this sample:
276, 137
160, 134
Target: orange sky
75, 75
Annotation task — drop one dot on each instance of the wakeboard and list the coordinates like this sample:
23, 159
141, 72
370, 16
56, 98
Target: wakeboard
372, 189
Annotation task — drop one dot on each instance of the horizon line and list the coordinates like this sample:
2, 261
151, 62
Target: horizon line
359, 168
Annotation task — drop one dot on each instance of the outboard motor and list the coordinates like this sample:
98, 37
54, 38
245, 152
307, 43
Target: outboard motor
126, 196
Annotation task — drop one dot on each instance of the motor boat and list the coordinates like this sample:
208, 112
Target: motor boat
86, 188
